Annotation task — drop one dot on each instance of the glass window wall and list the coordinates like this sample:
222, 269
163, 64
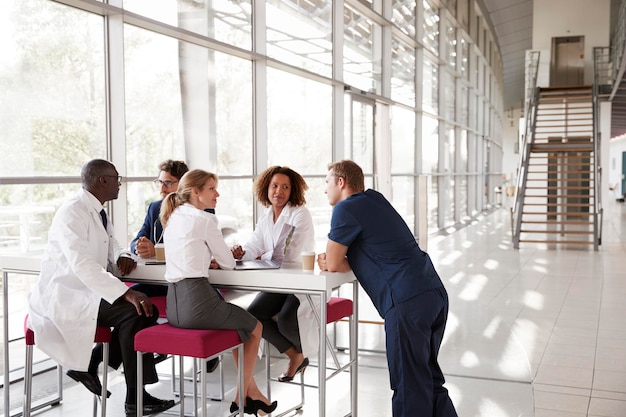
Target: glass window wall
402, 72
224, 20
431, 27
300, 33
430, 84
193, 89
52, 89
362, 51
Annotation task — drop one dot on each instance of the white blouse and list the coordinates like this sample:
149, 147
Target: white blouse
192, 238
267, 232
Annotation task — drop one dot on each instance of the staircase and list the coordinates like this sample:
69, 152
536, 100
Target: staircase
557, 196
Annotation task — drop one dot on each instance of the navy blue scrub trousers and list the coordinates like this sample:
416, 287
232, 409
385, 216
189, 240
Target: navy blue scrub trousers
414, 331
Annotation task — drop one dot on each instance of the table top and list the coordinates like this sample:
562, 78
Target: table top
288, 277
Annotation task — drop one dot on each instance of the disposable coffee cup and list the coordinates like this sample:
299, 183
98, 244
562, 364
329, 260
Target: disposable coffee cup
308, 261
159, 250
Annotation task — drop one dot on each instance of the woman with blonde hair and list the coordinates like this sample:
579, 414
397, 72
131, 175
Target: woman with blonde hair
192, 238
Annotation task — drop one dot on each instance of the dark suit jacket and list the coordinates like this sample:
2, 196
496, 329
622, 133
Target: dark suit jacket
152, 228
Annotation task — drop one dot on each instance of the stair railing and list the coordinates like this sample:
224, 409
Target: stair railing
532, 97
602, 80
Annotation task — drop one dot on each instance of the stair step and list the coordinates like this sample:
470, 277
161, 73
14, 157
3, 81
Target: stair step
560, 232
545, 109
563, 242
553, 213
548, 204
536, 163
556, 188
563, 222
561, 171
560, 179
555, 196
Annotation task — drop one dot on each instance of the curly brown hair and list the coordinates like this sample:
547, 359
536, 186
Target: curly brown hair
298, 185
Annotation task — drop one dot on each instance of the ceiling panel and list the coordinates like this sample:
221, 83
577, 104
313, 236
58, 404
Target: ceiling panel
513, 24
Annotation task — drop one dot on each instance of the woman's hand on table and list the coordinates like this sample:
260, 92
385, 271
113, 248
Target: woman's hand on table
214, 264
237, 251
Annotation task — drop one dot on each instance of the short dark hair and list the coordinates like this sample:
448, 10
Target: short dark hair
93, 170
298, 185
175, 168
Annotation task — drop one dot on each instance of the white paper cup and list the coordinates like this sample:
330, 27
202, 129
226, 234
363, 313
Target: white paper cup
159, 251
308, 261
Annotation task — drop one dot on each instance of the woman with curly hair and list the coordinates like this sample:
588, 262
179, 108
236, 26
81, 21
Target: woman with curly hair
281, 190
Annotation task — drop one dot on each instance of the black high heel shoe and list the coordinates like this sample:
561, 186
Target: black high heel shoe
301, 368
258, 406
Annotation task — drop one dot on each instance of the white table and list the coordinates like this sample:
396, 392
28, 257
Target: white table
288, 279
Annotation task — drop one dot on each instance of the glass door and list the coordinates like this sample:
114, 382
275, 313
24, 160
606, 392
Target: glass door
360, 126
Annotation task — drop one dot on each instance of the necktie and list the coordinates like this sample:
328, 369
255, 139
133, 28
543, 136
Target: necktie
103, 214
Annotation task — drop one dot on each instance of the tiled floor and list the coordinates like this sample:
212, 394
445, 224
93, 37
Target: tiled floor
532, 332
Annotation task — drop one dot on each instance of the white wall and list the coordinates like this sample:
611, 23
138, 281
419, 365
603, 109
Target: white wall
614, 164
510, 136
557, 18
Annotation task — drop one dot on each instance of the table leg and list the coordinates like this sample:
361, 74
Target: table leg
5, 320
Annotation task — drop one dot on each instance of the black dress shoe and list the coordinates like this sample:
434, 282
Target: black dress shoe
212, 364
90, 381
301, 368
257, 406
151, 405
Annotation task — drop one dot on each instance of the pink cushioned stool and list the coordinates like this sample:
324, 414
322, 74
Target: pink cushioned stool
103, 335
336, 309
200, 344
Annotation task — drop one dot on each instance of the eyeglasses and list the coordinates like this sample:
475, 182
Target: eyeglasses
158, 183
119, 177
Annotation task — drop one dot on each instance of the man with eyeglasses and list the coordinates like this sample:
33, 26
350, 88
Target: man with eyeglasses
151, 232
75, 292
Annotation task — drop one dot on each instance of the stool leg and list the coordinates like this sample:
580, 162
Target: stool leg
181, 386
103, 393
194, 372
240, 372
353, 365
139, 384
203, 393
105, 375
221, 366
267, 370
28, 381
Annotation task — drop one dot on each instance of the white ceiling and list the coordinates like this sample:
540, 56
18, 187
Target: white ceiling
513, 22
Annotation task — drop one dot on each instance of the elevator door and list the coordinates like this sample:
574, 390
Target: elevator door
567, 66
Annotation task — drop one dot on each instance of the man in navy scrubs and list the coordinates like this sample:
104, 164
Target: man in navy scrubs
369, 237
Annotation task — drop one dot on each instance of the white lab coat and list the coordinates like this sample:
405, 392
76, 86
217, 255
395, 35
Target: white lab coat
263, 241
64, 303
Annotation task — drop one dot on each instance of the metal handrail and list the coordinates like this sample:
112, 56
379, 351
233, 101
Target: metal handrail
532, 96
602, 77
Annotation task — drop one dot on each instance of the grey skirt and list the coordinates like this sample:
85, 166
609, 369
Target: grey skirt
193, 303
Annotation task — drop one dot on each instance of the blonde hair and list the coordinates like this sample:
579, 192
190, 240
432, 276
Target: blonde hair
194, 179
